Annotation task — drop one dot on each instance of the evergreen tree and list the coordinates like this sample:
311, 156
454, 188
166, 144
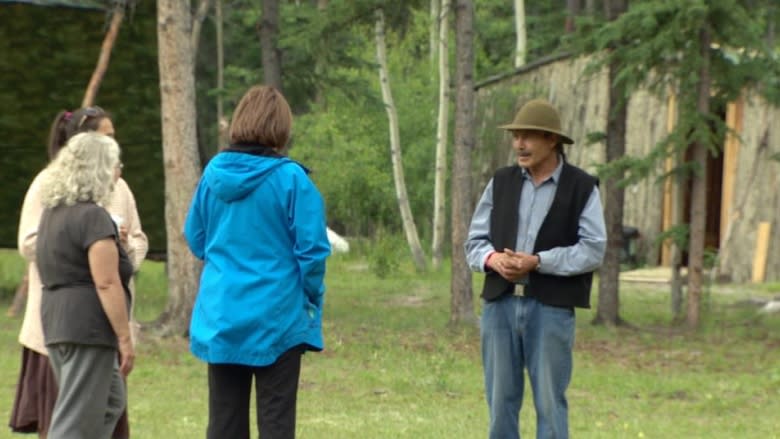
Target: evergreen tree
702, 50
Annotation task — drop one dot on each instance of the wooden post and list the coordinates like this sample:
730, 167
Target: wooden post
762, 249
667, 221
734, 112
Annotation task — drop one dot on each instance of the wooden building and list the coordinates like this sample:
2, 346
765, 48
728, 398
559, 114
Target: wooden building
743, 201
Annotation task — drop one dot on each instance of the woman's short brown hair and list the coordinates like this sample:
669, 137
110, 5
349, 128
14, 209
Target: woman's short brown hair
262, 117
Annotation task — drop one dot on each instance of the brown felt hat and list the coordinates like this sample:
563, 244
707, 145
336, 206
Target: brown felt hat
538, 114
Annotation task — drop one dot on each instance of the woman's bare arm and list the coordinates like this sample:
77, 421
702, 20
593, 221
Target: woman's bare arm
103, 265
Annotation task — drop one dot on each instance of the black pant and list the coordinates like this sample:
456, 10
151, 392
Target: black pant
276, 388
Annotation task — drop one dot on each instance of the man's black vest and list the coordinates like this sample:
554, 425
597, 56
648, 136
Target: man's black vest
559, 229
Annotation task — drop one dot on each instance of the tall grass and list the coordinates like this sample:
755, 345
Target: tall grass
392, 367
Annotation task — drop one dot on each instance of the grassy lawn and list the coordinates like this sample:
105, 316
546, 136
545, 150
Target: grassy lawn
393, 369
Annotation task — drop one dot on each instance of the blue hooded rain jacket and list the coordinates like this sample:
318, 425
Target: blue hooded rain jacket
258, 223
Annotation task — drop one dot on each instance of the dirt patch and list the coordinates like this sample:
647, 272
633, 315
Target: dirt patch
408, 301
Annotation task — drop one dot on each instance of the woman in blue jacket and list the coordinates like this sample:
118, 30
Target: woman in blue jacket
258, 223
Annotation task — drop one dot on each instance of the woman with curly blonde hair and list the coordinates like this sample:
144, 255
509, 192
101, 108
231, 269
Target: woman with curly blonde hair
36, 390
85, 272
82, 173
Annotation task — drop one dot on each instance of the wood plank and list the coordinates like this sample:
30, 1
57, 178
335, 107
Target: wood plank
734, 112
762, 250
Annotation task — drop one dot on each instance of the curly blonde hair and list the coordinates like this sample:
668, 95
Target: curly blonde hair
83, 170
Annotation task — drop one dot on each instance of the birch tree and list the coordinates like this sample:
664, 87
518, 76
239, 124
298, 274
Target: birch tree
439, 198
434, 30
180, 158
461, 295
410, 229
521, 48
197, 23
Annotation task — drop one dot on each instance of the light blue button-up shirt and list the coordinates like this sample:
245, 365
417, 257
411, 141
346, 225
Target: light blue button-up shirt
535, 201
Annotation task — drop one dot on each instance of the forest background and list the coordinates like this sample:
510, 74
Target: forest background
330, 76
351, 69
47, 55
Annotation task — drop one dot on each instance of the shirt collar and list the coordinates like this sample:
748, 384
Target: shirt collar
554, 177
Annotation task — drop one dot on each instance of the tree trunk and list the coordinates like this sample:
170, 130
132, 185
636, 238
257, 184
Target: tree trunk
320, 65
677, 252
105, 55
180, 158
590, 6
677, 185
699, 193
520, 33
614, 195
434, 31
204, 151
572, 11
607, 311
269, 37
410, 228
197, 23
461, 295
222, 124
439, 198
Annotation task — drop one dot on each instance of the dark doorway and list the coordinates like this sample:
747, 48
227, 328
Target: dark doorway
714, 194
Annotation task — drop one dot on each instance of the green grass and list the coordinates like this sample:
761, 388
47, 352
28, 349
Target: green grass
393, 369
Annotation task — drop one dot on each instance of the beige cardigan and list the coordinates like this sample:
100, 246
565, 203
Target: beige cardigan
122, 204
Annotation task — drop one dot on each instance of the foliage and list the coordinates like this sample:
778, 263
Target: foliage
345, 140
330, 78
391, 370
48, 58
384, 257
86, 4
495, 33
655, 46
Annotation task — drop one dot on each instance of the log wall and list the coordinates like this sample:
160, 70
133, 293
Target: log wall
582, 103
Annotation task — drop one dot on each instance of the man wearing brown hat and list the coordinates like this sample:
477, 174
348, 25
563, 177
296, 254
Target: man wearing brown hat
538, 234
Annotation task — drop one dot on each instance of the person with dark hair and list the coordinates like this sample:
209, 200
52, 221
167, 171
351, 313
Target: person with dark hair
37, 388
258, 223
538, 234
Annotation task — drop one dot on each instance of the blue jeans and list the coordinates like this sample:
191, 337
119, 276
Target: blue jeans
521, 333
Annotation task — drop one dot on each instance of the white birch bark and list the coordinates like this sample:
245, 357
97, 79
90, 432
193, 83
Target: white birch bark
410, 229
520, 31
197, 24
434, 44
439, 196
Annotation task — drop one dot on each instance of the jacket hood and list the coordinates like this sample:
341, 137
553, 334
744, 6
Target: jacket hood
234, 175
